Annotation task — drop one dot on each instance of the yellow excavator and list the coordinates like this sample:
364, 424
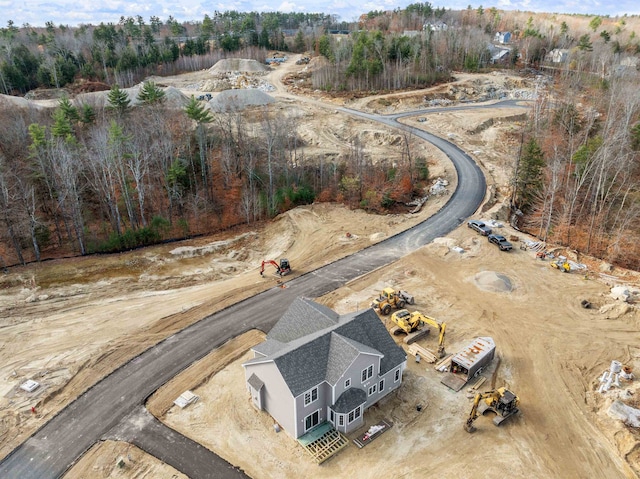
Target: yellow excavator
410, 323
501, 401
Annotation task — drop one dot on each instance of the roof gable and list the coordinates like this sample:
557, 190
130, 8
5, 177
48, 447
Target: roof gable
342, 353
366, 328
301, 319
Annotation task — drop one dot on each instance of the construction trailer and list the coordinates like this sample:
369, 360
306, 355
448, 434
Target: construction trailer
474, 358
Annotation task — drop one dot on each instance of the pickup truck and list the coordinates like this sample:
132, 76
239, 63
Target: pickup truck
480, 227
501, 242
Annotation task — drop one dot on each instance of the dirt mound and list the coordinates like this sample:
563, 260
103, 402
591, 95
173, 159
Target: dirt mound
317, 62
86, 86
8, 101
492, 281
235, 100
238, 65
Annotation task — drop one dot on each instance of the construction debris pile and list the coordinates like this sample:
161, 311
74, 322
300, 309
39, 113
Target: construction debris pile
611, 377
627, 414
439, 186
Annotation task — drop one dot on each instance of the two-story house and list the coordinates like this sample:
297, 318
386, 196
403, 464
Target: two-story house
317, 366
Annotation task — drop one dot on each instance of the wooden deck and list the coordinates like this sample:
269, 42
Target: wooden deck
323, 442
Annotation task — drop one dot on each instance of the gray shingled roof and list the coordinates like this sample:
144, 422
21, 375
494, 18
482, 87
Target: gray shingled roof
301, 319
329, 346
268, 347
342, 352
255, 382
366, 328
349, 400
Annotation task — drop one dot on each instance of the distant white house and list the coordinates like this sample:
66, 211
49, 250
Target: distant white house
503, 37
435, 27
557, 55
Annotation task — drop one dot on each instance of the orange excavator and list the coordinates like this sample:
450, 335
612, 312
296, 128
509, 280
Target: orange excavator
282, 269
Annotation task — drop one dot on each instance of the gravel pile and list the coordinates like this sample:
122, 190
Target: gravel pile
238, 65
236, 80
235, 100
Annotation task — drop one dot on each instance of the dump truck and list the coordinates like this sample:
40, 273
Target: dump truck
390, 298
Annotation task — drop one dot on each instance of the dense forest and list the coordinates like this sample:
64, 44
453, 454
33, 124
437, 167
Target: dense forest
91, 178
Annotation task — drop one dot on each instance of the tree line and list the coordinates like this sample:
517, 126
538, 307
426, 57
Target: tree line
102, 178
126, 52
577, 181
407, 48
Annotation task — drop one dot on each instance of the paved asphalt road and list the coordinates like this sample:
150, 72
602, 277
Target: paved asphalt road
105, 410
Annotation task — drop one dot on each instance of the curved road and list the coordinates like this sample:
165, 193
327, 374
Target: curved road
112, 407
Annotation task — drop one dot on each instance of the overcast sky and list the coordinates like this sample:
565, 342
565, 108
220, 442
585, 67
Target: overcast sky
74, 12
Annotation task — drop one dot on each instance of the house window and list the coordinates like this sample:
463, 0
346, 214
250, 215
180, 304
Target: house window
381, 385
312, 420
341, 419
372, 389
331, 417
397, 376
347, 383
367, 373
310, 396
355, 414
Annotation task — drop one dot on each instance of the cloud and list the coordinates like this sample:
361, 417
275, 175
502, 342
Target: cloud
67, 12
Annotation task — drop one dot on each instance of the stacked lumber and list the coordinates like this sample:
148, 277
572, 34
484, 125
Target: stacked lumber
478, 383
423, 352
444, 364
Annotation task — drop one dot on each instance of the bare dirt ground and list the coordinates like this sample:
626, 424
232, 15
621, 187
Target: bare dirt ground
551, 353
68, 323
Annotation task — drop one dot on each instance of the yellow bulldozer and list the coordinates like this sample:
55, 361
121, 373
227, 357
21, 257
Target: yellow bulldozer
390, 298
411, 324
561, 264
501, 401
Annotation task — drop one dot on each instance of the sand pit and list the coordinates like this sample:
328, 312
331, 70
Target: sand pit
494, 282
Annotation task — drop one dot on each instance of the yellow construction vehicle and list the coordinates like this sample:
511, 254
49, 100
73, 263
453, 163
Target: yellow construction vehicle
410, 323
389, 298
406, 321
501, 401
561, 264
